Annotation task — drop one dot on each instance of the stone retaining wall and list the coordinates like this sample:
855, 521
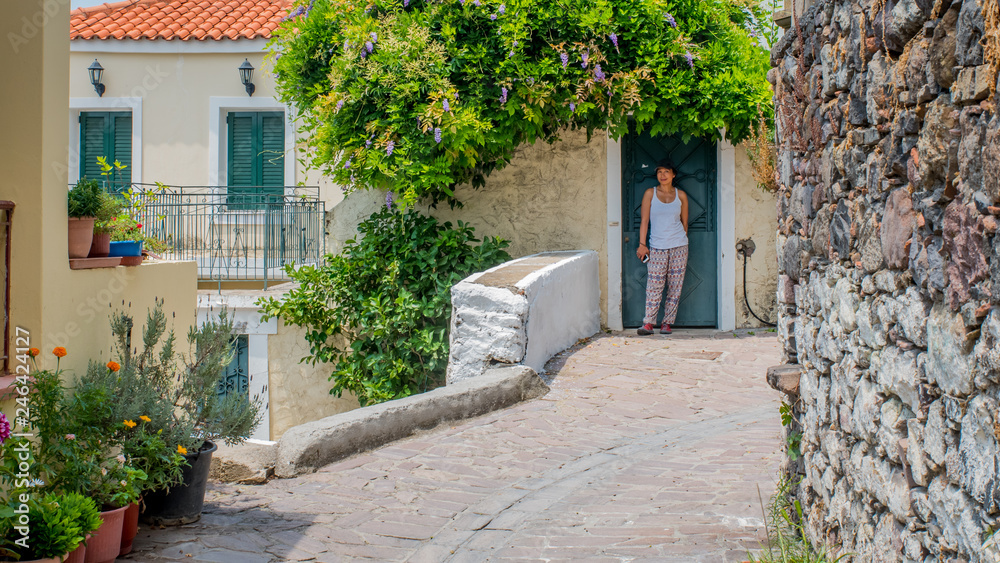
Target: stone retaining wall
888, 264
523, 312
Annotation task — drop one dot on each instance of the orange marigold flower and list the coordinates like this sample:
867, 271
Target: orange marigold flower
145, 418
34, 352
130, 423
114, 366
182, 450
58, 351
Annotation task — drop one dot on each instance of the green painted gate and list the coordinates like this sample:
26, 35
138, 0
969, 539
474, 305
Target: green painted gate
696, 175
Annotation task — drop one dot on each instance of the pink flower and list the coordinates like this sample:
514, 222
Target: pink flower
4, 428
71, 436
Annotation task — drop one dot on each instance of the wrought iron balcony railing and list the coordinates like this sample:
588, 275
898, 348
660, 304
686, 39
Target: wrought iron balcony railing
244, 233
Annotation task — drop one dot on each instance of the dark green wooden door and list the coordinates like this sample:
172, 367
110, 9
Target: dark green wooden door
696, 175
236, 379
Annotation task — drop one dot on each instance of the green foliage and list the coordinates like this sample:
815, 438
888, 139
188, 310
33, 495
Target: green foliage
787, 541
381, 310
110, 208
175, 390
793, 439
442, 93
58, 523
84, 199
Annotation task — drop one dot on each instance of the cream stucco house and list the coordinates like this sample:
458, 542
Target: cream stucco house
177, 105
47, 304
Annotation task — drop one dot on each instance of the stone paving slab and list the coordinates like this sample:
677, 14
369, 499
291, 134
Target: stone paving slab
646, 449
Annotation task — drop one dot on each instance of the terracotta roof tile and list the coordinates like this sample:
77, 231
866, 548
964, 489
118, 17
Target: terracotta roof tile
179, 19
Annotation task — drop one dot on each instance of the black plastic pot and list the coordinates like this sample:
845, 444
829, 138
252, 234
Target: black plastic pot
182, 504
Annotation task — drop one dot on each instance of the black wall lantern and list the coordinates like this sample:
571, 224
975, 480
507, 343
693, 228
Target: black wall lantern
96, 70
246, 76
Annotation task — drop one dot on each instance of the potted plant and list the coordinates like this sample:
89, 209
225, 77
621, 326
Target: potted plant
176, 392
110, 208
79, 451
83, 203
59, 524
126, 238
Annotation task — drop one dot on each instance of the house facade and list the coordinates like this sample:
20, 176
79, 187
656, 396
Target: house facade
46, 303
186, 102
576, 194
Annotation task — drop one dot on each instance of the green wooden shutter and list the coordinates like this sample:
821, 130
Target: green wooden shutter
272, 157
92, 145
256, 165
122, 149
107, 134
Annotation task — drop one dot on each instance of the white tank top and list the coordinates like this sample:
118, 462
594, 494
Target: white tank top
665, 229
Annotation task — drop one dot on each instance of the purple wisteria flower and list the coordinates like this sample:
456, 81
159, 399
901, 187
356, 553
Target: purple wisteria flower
347, 44
584, 55
493, 17
4, 428
598, 73
690, 58
369, 46
475, 2
374, 37
444, 103
388, 200
614, 40
510, 54
456, 95
340, 105
406, 3
437, 135
564, 57
389, 148
348, 163
502, 9
503, 95
368, 143
572, 107
670, 20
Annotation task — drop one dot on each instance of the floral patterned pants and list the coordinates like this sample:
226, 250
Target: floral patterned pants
665, 267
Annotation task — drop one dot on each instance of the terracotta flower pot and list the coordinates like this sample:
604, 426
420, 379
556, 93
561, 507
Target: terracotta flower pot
46, 560
104, 545
78, 554
101, 245
81, 236
130, 528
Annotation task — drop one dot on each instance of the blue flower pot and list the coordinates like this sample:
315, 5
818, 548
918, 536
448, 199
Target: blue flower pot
125, 248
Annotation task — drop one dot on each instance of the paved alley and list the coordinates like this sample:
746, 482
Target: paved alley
646, 449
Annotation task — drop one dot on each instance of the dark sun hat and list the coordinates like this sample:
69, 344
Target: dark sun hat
665, 163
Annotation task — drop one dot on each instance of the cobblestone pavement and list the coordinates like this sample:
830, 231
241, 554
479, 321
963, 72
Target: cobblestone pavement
646, 449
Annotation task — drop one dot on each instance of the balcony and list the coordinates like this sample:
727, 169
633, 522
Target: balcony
244, 235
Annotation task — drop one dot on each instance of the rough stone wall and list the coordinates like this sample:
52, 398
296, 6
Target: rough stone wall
890, 174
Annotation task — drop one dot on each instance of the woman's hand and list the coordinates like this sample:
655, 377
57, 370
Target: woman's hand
642, 251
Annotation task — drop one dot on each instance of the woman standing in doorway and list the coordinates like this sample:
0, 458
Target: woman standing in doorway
664, 218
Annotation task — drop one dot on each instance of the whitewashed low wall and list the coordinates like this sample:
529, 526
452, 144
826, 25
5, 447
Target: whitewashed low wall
523, 312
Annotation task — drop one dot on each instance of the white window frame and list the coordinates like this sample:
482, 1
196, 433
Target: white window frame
78, 105
726, 235
218, 108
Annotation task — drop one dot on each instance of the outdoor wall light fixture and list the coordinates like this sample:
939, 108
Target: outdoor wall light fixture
96, 70
246, 76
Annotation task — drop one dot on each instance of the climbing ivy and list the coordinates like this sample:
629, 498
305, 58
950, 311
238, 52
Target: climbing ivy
419, 96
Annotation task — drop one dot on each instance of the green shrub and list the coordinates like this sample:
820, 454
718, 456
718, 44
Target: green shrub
84, 199
58, 523
442, 93
381, 310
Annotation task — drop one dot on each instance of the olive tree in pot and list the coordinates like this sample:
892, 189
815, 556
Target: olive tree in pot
175, 394
83, 204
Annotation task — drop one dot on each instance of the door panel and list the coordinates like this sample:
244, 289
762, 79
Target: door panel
696, 176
